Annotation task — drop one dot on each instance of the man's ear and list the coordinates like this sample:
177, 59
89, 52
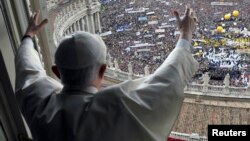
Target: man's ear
102, 71
56, 71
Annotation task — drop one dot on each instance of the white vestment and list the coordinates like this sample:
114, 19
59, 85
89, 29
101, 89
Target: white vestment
137, 110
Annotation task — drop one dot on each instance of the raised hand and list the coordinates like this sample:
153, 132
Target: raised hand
187, 24
34, 27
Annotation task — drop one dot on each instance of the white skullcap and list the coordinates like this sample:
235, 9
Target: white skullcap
80, 50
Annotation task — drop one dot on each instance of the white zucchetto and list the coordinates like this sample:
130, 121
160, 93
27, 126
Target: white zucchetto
80, 50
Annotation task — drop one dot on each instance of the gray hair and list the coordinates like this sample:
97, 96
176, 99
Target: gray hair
81, 77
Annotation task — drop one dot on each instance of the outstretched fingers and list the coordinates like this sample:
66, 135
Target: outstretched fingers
36, 18
191, 12
42, 24
187, 12
32, 17
195, 17
177, 16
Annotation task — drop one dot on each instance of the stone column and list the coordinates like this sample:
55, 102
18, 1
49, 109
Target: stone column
86, 20
75, 27
82, 24
146, 70
68, 9
71, 29
110, 64
247, 92
68, 32
99, 28
206, 79
116, 65
91, 23
130, 71
116, 68
78, 25
226, 82
95, 21
71, 7
75, 5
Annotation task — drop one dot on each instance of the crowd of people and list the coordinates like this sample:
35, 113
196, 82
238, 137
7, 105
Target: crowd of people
143, 32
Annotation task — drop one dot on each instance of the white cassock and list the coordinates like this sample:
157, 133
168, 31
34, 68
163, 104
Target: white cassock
138, 110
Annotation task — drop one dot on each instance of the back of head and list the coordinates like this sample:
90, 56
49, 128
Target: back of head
79, 58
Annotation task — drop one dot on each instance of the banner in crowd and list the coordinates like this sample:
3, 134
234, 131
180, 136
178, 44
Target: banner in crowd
156, 57
122, 15
149, 35
120, 29
137, 42
129, 29
166, 26
153, 22
164, 23
131, 3
142, 45
159, 43
222, 3
132, 12
150, 13
166, 16
161, 36
143, 9
129, 9
142, 18
172, 19
217, 13
159, 30
106, 33
143, 50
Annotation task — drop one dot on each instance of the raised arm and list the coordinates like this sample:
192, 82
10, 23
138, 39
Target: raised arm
28, 65
33, 85
155, 101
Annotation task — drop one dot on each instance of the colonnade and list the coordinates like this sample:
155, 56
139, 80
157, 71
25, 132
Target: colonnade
81, 15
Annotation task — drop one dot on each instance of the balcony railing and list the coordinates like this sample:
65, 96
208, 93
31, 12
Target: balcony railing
188, 137
196, 89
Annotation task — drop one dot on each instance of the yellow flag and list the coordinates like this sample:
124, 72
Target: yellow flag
196, 44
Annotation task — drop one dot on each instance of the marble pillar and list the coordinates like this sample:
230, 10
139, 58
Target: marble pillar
91, 23
99, 22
